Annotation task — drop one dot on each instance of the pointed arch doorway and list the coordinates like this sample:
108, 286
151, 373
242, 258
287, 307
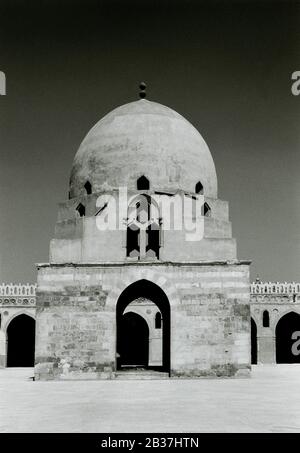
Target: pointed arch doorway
253, 342
139, 343
21, 341
288, 338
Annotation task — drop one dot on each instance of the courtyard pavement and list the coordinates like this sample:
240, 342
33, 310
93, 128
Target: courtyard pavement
269, 401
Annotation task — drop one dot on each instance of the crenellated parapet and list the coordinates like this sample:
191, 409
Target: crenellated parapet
17, 294
24, 294
273, 288
270, 302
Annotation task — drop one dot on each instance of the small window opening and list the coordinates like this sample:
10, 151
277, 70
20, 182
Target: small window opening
81, 210
158, 320
206, 210
143, 183
199, 188
88, 187
266, 319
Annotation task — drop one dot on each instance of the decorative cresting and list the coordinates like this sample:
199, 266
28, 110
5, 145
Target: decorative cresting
24, 294
17, 294
275, 288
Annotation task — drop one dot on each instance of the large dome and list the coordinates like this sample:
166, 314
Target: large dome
143, 138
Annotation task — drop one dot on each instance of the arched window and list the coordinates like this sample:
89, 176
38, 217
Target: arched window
158, 320
81, 210
88, 187
143, 183
266, 319
143, 228
206, 210
199, 188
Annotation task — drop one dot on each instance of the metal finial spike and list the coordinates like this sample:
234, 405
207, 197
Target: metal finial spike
142, 90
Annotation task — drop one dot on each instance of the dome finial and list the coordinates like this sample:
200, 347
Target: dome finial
142, 90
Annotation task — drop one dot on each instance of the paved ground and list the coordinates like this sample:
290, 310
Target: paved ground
268, 402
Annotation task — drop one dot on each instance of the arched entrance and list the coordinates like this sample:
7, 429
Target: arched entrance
135, 350
132, 330
21, 341
287, 339
253, 342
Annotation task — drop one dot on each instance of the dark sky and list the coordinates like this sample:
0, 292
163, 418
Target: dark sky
225, 66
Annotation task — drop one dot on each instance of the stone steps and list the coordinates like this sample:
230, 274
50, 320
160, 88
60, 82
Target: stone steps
141, 374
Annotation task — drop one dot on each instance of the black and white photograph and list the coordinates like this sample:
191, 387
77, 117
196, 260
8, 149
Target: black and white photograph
150, 220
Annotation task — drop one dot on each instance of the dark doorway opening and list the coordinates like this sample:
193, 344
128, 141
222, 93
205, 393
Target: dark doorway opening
135, 350
253, 342
128, 334
287, 339
21, 342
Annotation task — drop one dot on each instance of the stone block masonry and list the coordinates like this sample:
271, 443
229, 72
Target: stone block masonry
77, 323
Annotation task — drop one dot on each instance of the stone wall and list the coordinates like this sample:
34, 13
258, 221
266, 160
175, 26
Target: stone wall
277, 298
76, 317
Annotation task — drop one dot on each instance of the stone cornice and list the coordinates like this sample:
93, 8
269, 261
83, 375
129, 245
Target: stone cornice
147, 263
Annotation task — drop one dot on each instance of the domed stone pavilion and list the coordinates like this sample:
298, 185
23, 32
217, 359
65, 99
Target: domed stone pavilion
143, 277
